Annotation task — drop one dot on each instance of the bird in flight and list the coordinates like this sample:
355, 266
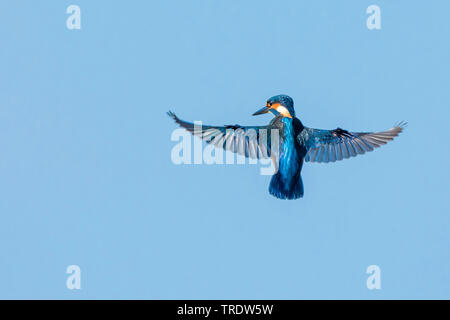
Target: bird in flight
289, 143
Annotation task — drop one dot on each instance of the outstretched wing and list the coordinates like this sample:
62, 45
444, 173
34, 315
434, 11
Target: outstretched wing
249, 141
333, 145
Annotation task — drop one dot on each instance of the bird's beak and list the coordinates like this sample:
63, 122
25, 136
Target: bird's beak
261, 111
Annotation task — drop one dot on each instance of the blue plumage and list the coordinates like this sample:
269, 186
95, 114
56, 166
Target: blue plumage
287, 183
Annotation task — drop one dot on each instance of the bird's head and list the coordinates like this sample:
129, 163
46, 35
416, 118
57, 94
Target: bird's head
281, 105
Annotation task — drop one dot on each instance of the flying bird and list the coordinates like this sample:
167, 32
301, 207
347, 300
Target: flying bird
289, 143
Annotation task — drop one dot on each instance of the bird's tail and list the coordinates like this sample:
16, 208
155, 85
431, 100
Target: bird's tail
278, 187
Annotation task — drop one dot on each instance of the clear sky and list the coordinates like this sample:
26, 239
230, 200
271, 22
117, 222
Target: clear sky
86, 176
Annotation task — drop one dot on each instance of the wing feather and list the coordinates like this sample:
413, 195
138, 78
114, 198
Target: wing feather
334, 145
249, 141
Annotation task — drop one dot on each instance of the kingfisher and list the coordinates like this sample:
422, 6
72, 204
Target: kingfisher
289, 143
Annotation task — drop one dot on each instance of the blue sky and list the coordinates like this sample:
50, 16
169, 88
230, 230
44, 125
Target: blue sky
87, 179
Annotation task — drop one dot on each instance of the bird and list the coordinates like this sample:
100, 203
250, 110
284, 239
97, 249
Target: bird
294, 144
